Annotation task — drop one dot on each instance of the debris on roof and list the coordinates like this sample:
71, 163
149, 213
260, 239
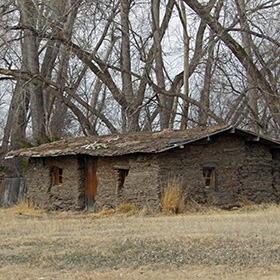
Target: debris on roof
121, 144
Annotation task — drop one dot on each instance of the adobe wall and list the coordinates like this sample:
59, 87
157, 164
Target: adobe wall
185, 167
243, 170
68, 196
247, 165
140, 186
256, 174
276, 175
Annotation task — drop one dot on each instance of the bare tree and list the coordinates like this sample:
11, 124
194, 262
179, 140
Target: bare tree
96, 67
263, 78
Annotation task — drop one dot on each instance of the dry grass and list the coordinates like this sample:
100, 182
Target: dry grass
24, 208
103, 213
240, 244
173, 201
126, 209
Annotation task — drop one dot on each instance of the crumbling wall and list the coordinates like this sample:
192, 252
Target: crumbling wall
184, 166
42, 190
256, 173
244, 170
276, 175
38, 182
140, 186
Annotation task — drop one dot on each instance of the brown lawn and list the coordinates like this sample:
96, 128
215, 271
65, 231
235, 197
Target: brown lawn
240, 244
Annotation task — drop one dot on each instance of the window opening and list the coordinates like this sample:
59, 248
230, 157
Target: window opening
210, 177
57, 175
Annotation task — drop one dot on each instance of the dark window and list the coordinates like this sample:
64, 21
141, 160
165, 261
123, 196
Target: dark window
57, 175
210, 177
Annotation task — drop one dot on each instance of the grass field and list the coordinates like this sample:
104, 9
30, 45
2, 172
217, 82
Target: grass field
240, 244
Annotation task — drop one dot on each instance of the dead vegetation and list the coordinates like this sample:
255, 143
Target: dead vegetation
173, 201
128, 209
239, 244
24, 208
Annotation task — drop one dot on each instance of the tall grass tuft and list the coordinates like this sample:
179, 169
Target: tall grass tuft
173, 201
25, 208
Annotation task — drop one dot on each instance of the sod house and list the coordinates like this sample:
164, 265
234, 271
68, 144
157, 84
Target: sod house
220, 164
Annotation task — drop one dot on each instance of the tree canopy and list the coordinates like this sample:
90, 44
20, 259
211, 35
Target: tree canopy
78, 67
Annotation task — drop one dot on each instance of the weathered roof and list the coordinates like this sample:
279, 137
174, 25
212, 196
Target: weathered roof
121, 144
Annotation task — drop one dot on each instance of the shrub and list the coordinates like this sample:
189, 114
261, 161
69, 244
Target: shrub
173, 201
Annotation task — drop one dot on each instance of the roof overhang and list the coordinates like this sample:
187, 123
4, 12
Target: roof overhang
147, 143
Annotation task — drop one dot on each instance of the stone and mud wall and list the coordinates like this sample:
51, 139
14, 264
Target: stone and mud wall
256, 174
185, 167
44, 192
276, 175
140, 185
243, 171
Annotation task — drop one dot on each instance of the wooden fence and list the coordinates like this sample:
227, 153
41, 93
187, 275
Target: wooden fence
12, 190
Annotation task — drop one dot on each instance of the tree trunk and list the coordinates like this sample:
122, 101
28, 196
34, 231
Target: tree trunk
163, 110
205, 92
17, 116
268, 92
185, 107
247, 45
127, 89
28, 15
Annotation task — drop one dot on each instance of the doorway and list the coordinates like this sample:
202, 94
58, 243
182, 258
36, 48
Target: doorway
91, 182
